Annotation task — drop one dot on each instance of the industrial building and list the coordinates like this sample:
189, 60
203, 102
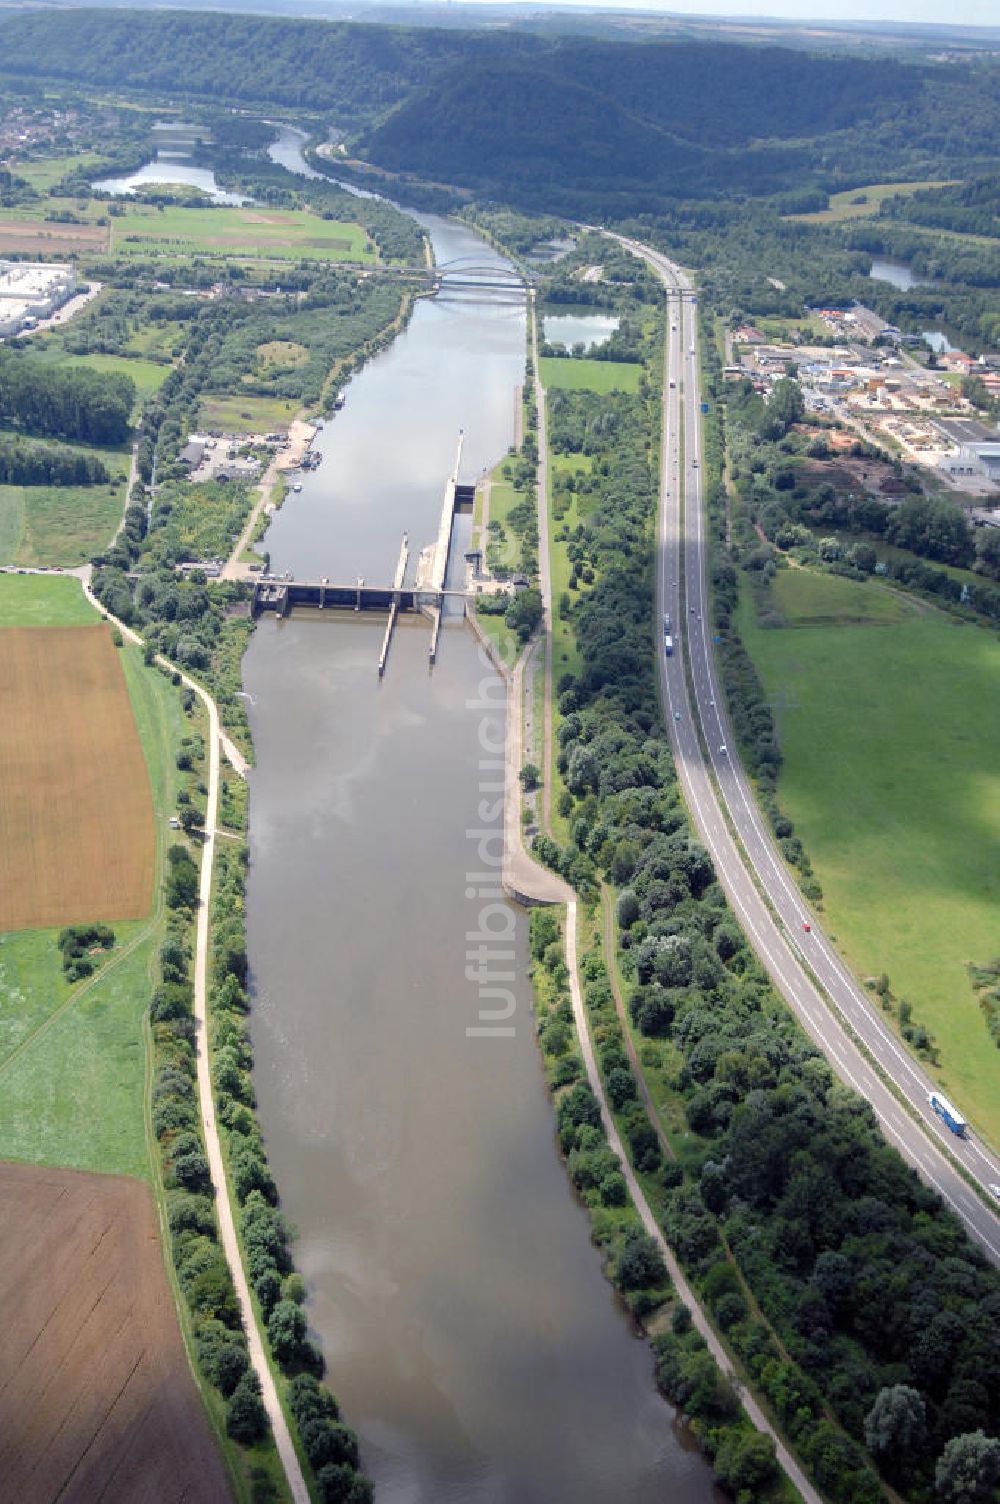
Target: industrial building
32, 290
981, 459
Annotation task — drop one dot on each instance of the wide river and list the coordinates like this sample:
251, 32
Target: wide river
468, 1330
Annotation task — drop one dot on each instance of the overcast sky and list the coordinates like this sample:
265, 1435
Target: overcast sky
944, 12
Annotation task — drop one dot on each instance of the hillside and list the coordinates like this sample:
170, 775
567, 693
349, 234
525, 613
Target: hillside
571, 122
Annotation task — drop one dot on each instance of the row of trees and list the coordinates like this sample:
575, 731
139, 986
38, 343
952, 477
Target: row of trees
23, 463
66, 402
202, 1270
330, 1446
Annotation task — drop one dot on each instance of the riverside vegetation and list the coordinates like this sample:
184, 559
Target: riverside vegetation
227, 347
866, 1315
719, 153
791, 1214
212, 1314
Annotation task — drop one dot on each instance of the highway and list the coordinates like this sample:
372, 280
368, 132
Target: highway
803, 964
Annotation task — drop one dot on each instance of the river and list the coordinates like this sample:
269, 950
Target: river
470, 1334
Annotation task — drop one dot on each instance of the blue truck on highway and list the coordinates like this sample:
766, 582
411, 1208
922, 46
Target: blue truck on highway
947, 1113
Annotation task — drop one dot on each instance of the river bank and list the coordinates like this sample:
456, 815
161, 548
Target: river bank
452, 1282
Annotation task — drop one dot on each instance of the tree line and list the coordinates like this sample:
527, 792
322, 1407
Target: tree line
202, 1270
855, 1282
23, 463
65, 402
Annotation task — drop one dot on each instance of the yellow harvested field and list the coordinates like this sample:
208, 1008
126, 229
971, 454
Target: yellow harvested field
77, 839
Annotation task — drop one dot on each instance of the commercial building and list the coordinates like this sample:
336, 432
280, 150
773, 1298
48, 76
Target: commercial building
32, 290
974, 459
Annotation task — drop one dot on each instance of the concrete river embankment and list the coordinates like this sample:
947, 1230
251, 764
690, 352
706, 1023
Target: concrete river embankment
469, 1332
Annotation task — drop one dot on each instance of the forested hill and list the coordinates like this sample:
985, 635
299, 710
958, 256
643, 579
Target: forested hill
565, 122
359, 71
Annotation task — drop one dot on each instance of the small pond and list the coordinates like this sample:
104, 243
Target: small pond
899, 273
579, 328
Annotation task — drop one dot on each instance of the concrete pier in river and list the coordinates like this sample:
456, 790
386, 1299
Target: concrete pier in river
427, 595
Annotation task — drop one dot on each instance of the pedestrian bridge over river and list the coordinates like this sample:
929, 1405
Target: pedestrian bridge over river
427, 594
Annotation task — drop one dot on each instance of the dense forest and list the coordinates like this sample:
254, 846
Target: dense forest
492, 110
67, 404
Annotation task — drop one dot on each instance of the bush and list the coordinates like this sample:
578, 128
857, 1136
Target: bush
328, 1441
640, 1262
621, 1087
613, 1189
339, 1484
222, 1355
286, 1330
246, 1418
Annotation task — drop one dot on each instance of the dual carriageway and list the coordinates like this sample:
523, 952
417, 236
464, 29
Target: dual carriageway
799, 957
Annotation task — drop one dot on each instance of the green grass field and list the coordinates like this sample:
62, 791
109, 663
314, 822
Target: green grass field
808, 599
246, 414
890, 736
503, 496
158, 339
46, 171
249, 233
28, 600
281, 354
45, 526
74, 1096
844, 206
148, 375
589, 375
72, 1060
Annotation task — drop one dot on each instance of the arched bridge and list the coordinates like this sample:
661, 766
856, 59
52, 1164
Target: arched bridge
466, 271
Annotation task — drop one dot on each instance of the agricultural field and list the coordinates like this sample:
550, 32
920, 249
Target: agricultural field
124, 1420
72, 1057
252, 234
861, 203
577, 375
37, 600
48, 526
76, 820
31, 235
889, 731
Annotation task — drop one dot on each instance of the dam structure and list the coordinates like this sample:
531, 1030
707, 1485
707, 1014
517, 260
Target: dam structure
427, 594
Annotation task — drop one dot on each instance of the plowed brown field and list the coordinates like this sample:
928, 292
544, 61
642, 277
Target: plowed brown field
77, 840
97, 1401
48, 238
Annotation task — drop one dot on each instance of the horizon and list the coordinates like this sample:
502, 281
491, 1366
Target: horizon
946, 15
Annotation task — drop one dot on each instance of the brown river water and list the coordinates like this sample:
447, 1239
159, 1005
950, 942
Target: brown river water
468, 1330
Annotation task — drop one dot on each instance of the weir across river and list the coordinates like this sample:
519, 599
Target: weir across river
427, 594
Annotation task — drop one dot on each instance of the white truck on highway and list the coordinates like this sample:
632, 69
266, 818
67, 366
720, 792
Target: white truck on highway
948, 1113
